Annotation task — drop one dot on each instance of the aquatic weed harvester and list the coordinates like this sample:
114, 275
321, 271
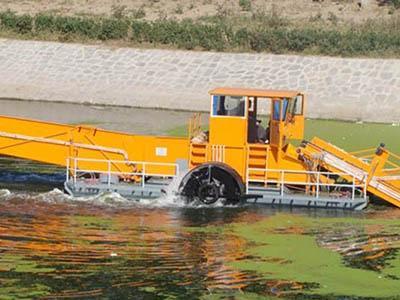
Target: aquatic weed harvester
239, 159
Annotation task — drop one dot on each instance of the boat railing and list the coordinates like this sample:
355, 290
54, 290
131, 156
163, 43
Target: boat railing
77, 167
317, 182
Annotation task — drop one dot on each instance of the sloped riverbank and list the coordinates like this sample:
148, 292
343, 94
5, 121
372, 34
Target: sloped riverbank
337, 88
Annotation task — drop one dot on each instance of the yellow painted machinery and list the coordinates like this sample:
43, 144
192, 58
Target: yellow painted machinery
241, 158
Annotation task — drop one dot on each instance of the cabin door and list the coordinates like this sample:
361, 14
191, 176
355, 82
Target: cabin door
279, 108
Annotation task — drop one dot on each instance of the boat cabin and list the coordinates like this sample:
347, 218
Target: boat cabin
248, 116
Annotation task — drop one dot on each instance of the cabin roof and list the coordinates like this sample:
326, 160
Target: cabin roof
230, 91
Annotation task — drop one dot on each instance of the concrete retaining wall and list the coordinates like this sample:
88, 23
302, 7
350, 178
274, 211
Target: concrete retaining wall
358, 89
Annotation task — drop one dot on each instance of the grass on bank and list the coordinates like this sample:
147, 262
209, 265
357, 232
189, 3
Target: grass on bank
256, 31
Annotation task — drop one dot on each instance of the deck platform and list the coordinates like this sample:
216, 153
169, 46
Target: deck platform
154, 189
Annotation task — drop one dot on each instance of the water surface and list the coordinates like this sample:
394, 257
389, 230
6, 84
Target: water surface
54, 246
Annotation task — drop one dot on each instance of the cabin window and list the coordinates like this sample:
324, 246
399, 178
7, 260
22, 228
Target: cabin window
228, 106
298, 105
251, 104
285, 104
277, 110
276, 115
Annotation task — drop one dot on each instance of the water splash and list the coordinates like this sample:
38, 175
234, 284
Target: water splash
111, 199
4, 194
58, 196
170, 198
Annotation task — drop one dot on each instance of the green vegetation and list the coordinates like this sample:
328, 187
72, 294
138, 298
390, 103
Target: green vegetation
286, 249
355, 136
178, 131
182, 130
395, 3
256, 32
103, 29
289, 248
245, 5
22, 24
20, 266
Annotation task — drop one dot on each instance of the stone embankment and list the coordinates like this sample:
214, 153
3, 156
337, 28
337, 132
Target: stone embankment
337, 88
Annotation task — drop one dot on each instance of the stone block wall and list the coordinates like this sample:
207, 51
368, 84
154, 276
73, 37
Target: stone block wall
337, 88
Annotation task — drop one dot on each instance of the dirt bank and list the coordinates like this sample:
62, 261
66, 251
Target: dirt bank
301, 10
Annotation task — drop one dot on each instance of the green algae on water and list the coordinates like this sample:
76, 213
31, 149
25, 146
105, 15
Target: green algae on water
287, 249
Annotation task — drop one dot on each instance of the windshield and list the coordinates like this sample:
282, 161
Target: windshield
228, 106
